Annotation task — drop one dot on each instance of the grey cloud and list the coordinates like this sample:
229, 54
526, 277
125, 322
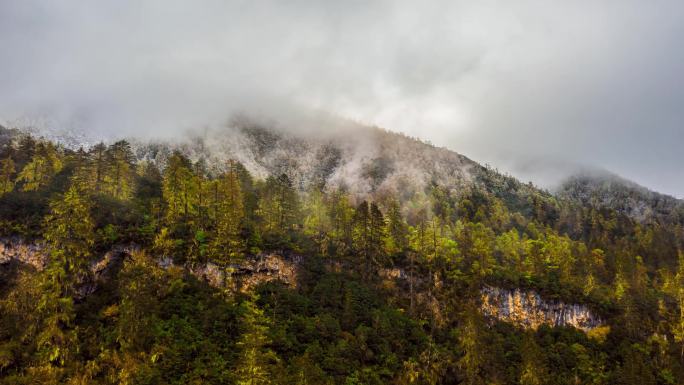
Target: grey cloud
533, 87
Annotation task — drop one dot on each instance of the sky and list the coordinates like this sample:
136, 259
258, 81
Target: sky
534, 88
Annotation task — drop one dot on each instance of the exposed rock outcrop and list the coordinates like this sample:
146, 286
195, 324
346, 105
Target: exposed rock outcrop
523, 308
243, 276
36, 255
29, 253
251, 272
528, 309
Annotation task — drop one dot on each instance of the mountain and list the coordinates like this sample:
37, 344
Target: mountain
363, 159
326, 252
607, 190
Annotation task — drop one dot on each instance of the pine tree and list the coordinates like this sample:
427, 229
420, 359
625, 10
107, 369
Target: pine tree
471, 346
361, 235
120, 172
397, 230
98, 166
178, 188
202, 188
377, 236
70, 243
533, 371
317, 222
44, 165
341, 215
279, 210
71, 239
678, 327
257, 360
369, 236
6, 173
228, 245
478, 245
26, 149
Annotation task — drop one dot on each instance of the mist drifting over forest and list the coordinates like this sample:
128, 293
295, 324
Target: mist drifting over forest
533, 88
341, 192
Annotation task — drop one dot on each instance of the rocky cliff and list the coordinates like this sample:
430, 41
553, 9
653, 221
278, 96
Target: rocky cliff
243, 276
251, 272
14, 249
528, 309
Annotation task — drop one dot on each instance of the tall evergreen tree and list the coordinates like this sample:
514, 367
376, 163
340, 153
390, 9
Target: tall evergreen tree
317, 222
6, 175
397, 230
178, 187
70, 244
369, 236
533, 371
228, 245
279, 209
256, 362
341, 215
98, 166
678, 327
44, 165
362, 246
377, 234
120, 175
471, 346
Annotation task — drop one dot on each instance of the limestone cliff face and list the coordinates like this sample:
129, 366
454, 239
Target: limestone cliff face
14, 249
251, 272
524, 308
528, 309
244, 276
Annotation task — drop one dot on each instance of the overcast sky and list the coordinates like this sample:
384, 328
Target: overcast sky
527, 86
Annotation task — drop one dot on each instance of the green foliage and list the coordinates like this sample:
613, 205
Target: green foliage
228, 246
6, 176
384, 291
279, 211
44, 165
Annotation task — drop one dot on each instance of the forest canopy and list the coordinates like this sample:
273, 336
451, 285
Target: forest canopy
348, 319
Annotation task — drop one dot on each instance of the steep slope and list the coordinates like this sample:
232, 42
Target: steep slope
447, 268
363, 159
606, 190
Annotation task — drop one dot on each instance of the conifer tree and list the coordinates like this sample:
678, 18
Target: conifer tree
202, 188
6, 175
317, 222
471, 346
98, 165
70, 244
228, 245
377, 235
480, 241
178, 189
44, 165
678, 328
279, 209
341, 216
120, 174
26, 149
511, 250
369, 236
533, 371
256, 362
397, 230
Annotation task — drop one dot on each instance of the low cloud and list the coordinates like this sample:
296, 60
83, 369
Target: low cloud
523, 86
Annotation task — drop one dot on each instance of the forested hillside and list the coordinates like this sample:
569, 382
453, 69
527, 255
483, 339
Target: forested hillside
392, 246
